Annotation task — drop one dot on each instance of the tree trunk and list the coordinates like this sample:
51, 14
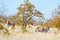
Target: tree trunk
24, 22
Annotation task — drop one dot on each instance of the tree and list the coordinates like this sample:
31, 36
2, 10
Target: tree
56, 12
3, 19
56, 22
56, 17
3, 11
27, 11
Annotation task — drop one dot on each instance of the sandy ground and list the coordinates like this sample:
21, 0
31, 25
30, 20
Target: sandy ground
31, 36
52, 34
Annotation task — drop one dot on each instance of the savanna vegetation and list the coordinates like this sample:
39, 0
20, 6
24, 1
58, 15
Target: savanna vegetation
25, 14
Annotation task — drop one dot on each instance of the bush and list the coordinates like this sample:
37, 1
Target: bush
24, 29
1, 27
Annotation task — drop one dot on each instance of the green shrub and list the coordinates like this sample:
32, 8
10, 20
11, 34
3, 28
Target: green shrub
24, 29
6, 33
1, 27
